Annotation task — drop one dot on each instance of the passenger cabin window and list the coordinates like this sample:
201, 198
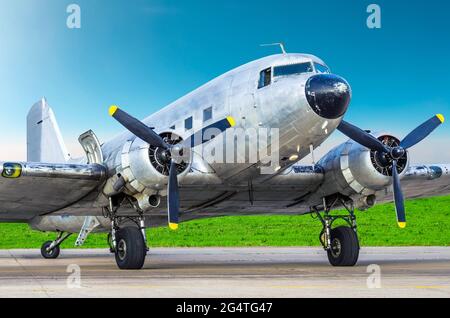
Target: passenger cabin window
188, 123
293, 69
265, 78
207, 114
321, 69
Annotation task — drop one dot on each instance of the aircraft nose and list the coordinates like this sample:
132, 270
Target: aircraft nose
328, 95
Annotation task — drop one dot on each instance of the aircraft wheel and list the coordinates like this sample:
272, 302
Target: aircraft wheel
52, 254
130, 249
344, 249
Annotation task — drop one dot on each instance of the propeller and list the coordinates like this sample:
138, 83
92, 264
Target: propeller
173, 153
393, 153
148, 135
173, 197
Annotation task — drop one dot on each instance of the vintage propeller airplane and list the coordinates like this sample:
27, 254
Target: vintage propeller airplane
162, 167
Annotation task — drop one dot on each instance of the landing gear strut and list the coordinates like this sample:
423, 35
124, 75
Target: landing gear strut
341, 243
51, 249
128, 239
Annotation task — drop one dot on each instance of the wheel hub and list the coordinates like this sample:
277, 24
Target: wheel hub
122, 250
336, 247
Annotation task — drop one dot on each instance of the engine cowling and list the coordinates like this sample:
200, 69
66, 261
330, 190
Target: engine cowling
357, 172
142, 171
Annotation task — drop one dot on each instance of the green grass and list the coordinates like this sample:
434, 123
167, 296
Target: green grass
428, 225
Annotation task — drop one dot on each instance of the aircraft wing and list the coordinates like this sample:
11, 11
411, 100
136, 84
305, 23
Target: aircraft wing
291, 191
30, 189
422, 181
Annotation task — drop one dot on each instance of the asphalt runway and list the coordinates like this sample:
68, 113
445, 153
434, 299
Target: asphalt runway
228, 272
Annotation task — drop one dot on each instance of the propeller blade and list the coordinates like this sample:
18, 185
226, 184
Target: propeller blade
173, 197
423, 131
203, 135
398, 197
137, 127
362, 137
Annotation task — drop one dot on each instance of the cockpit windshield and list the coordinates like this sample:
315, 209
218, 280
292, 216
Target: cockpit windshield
267, 76
321, 69
293, 69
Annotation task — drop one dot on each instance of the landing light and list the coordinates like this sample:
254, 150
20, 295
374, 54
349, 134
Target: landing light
293, 158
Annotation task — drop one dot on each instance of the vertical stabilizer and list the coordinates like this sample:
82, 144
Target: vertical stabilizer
44, 140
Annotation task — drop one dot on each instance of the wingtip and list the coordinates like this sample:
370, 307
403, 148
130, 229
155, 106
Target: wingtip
402, 225
112, 110
441, 117
173, 226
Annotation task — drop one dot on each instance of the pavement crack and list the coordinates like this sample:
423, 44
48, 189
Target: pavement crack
33, 277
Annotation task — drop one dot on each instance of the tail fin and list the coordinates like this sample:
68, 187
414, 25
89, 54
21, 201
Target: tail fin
44, 139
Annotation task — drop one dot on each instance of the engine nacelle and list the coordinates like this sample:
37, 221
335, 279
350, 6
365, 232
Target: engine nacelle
142, 171
357, 172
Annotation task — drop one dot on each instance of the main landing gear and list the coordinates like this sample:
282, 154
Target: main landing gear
127, 239
51, 249
341, 243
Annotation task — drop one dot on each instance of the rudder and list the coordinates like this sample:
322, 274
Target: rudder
44, 139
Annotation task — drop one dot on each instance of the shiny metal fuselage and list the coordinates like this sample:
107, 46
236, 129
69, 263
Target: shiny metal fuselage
281, 105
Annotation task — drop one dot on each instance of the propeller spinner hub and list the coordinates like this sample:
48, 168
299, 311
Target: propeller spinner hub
164, 156
383, 161
161, 158
397, 153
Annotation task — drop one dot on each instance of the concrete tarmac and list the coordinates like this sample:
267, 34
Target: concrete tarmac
228, 272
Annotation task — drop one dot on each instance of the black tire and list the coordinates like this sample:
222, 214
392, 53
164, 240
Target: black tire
344, 247
53, 254
130, 249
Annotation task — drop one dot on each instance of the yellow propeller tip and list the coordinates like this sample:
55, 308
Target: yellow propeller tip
402, 225
441, 117
173, 226
231, 121
112, 110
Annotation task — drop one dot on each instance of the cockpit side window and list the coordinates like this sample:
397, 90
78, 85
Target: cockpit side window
265, 78
321, 68
293, 69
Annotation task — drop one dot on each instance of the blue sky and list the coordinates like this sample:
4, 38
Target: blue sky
144, 54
